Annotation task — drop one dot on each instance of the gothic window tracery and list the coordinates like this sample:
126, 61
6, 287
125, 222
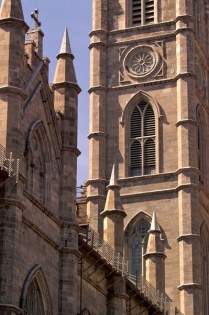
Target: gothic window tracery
200, 147
142, 12
33, 301
37, 154
142, 140
137, 247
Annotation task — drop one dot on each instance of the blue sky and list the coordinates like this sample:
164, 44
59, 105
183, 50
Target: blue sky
55, 16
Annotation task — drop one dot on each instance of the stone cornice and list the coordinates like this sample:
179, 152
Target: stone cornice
185, 122
187, 169
11, 20
98, 31
95, 197
62, 84
154, 82
96, 44
71, 149
96, 180
187, 286
106, 213
13, 90
13, 202
96, 134
154, 254
10, 308
186, 237
96, 88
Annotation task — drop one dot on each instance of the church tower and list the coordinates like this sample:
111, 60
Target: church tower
149, 115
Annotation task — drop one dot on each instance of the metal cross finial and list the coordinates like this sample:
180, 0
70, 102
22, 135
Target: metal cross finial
34, 16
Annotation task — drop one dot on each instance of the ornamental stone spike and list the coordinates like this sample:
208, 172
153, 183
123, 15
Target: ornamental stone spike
154, 224
113, 178
65, 47
65, 71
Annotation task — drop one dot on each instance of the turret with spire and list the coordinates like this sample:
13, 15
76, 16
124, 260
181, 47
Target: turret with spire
114, 215
155, 257
12, 30
66, 92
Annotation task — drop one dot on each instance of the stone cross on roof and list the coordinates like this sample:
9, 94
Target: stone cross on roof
34, 16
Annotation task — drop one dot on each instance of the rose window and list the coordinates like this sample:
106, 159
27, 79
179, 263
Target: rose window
142, 63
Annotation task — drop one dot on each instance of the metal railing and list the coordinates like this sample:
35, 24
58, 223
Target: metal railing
157, 298
117, 261
9, 164
97, 243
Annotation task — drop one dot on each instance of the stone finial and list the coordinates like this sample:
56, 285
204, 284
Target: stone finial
65, 47
154, 224
113, 178
113, 200
65, 71
11, 9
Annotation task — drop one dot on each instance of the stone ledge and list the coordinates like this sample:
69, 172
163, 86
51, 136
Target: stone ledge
10, 308
187, 237
187, 286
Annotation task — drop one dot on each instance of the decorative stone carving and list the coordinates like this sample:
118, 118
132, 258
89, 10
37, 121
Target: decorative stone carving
143, 62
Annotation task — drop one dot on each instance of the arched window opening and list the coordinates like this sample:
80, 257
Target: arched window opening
138, 245
199, 147
142, 131
33, 301
142, 12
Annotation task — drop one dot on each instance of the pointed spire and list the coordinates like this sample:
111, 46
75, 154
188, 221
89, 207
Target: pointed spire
154, 224
113, 200
65, 71
113, 178
65, 47
11, 9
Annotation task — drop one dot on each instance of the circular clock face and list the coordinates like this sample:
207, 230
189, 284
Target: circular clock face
141, 61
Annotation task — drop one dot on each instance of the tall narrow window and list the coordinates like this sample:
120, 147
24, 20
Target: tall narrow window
199, 148
142, 140
138, 246
33, 302
142, 12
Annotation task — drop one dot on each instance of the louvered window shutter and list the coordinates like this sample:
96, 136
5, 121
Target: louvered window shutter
149, 11
142, 12
142, 132
136, 12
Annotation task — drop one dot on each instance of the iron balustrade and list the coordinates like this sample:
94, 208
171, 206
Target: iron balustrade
118, 262
9, 164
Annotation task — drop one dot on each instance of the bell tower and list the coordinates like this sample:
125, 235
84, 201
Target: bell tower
149, 115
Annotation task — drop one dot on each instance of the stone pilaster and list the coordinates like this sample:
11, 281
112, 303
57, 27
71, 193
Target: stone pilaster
98, 133
190, 273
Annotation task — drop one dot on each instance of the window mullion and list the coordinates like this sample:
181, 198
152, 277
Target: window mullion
142, 141
142, 12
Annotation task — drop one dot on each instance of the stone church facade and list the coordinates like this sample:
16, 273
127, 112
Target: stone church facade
141, 244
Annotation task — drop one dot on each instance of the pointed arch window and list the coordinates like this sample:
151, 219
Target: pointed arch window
142, 12
142, 140
138, 244
199, 147
33, 301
